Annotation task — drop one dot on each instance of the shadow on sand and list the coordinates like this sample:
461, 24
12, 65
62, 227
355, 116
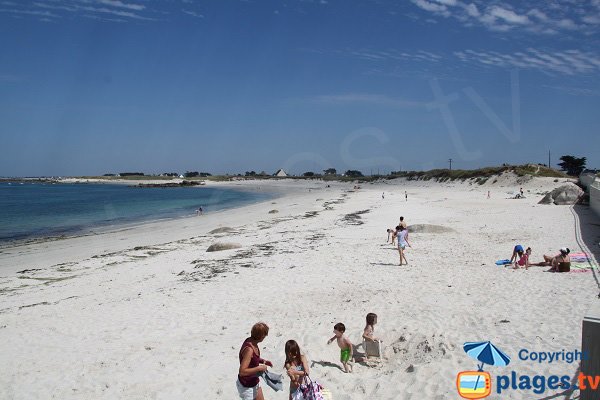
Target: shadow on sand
326, 364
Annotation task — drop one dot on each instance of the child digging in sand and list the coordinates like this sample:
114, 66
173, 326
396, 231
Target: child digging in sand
345, 346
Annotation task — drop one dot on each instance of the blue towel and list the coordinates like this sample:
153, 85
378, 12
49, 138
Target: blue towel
503, 262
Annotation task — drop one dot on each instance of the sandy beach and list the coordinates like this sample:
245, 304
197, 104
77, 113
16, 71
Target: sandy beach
144, 312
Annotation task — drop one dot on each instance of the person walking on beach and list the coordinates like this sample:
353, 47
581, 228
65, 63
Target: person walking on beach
402, 243
488, 194
296, 365
251, 364
405, 196
199, 211
402, 222
345, 346
383, 195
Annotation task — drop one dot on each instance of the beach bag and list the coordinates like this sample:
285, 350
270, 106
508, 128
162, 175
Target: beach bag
309, 390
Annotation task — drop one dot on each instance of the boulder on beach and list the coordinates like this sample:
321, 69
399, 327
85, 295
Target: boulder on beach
429, 228
564, 195
224, 229
222, 246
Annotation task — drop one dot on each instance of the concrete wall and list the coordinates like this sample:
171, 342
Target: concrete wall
586, 179
590, 347
594, 190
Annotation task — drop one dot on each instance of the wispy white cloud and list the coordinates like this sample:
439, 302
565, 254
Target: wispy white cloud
434, 7
120, 4
393, 55
28, 12
567, 62
101, 10
366, 99
575, 91
548, 17
192, 13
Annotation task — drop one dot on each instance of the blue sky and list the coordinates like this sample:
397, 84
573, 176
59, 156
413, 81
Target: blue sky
98, 86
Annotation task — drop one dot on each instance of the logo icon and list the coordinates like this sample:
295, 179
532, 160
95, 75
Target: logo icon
478, 384
474, 384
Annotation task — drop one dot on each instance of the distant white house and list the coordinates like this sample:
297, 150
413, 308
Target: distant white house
280, 173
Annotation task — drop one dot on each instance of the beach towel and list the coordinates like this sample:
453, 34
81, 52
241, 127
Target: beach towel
503, 262
579, 254
580, 257
274, 381
582, 266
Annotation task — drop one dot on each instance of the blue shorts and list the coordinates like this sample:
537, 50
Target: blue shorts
518, 248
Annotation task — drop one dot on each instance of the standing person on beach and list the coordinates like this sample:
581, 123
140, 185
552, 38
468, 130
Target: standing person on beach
369, 331
402, 222
405, 195
346, 347
402, 243
296, 365
251, 364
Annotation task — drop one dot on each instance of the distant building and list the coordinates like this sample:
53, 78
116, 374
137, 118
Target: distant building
280, 173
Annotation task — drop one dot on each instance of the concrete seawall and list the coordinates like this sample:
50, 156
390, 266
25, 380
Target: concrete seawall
594, 190
586, 179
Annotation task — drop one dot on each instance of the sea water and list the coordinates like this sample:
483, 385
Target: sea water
34, 210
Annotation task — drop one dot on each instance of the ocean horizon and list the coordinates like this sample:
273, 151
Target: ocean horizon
44, 210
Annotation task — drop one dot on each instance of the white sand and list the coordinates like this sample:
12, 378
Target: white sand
147, 313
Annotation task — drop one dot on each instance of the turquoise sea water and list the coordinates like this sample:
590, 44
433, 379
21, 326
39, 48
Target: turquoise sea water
33, 210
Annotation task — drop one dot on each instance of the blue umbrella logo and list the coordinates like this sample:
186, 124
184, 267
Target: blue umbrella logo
486, 353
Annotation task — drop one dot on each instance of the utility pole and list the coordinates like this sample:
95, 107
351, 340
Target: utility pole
450, 161
548, 158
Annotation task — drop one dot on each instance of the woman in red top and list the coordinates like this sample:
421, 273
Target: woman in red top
251, 364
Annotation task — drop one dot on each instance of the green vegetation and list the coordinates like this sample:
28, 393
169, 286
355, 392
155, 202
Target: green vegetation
572, 165
480, 176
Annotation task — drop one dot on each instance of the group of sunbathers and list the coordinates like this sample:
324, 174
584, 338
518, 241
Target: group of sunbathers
558, 263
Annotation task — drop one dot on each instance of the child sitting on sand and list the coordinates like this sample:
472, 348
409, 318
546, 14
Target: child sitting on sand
346, 347
523, 259
295, 365
368, 333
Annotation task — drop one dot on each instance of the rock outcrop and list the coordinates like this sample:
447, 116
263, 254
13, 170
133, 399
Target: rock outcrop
564, 195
